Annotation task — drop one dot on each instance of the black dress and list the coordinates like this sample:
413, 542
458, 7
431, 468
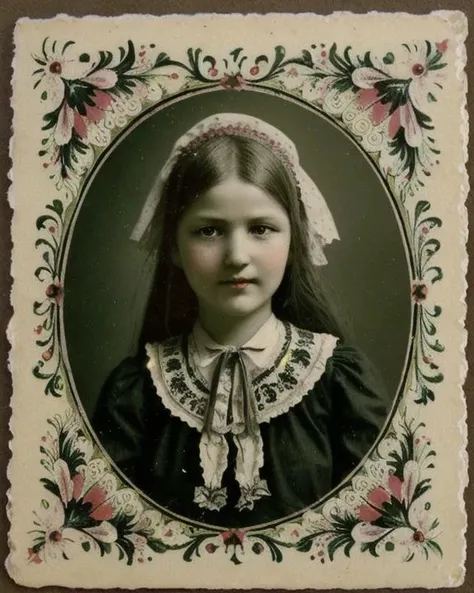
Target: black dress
308, 449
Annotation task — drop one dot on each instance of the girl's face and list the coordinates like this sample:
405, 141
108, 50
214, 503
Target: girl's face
233, 244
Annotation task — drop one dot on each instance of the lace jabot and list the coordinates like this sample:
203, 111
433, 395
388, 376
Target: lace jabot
221, 390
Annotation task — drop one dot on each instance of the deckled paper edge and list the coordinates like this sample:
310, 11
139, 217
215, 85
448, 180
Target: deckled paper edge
9, 565
459, 22
461, 75
448, 14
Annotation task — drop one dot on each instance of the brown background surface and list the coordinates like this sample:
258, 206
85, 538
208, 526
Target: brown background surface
10, 11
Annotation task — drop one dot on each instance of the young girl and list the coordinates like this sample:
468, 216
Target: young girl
245, 405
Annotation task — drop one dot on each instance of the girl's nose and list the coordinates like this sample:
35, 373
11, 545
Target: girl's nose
237, 250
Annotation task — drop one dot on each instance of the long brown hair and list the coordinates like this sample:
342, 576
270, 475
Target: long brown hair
300, 298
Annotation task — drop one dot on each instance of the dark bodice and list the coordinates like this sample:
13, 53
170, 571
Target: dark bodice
307, 450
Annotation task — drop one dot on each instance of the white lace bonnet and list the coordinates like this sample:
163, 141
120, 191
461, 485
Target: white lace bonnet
321, 227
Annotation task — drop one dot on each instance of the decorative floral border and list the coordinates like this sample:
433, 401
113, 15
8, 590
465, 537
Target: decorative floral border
383, 103
384, 511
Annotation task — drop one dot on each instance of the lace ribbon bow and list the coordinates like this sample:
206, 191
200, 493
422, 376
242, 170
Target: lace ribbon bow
231, 409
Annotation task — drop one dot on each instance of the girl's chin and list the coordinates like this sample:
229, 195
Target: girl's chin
238, 307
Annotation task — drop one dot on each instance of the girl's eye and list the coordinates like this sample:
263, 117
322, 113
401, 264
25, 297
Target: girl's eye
260, 229
207, 231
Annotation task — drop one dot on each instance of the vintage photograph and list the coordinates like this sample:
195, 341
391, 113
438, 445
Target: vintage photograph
239, 303
235, 357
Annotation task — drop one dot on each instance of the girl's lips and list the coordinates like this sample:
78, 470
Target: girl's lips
239, 282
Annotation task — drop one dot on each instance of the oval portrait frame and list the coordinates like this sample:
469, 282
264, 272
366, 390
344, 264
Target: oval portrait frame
342, 518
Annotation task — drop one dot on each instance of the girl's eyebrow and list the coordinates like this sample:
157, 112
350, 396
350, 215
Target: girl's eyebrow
213, 219
209, 218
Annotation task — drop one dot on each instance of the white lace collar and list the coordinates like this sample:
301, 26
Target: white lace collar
298, 364
287, 363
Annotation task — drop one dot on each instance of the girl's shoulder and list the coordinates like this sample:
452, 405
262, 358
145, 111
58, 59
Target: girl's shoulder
347, 357
127, 379
346, 368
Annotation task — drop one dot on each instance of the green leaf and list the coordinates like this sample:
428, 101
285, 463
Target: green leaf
157, 546
86, 546
388, 58
66, 45
235, 53
431, 98
43, 48
437, 346
389, 546
438, 273
436, 379
305, 545
422, 206
58, 206
438, 66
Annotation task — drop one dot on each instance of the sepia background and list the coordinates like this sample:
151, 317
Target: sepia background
107, 277
10, 10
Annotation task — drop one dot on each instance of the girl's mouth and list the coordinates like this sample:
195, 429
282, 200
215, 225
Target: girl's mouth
239, 283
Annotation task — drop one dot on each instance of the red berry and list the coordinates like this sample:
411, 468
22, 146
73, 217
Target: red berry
55, 68
418, 69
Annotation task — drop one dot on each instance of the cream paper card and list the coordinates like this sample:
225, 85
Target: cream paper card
350, 473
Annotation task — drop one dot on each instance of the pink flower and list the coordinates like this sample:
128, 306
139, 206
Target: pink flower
70, 118
78, 485
232, 81
63, 131
80, 125
368, 513
100, 509
378, 497
293, 72
233, 537
419, 292
47, 354
95, 497
55, 292
442, 46
369, 98
94, 113
102, 79
254, 70
404, 116
395, 486
33, 556
56, 538
213, 72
